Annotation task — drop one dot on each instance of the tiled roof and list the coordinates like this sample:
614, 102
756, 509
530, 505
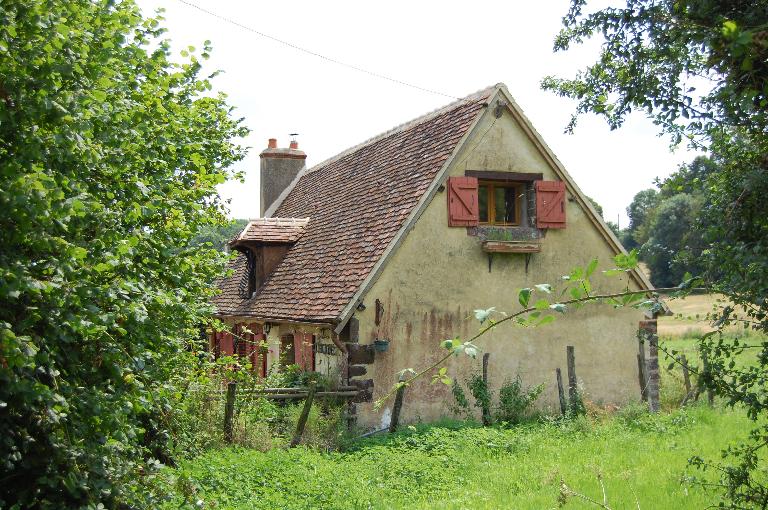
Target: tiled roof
357, 202
272, 230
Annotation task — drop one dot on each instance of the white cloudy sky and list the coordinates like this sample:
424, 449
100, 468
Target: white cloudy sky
453, 47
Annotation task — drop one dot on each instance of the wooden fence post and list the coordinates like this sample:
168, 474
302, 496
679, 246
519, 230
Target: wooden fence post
486, 404
229, 411
648, 331
397, 406
686, 379
707, 377
572, 383
304, 414
642, 367
561, 392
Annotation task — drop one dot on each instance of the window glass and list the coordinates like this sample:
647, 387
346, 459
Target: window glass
287, 350
482, 200
504, 205
498, 203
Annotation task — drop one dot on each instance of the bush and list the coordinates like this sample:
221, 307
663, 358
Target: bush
515, 402
110, 156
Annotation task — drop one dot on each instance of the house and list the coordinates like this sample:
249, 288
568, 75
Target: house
385, 241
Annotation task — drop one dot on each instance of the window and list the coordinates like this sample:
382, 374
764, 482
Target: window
500, 203
287, 350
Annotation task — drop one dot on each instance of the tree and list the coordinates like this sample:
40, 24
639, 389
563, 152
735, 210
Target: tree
598, 207
639, 211
109, 158
673, 246
217, 236
656, 56
689, 178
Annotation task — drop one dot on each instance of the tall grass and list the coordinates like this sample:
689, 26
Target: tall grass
641, 458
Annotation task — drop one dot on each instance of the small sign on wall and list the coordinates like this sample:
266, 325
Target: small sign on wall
329, 349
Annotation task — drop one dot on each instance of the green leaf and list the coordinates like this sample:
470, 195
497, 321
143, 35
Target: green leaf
591, 268
546, 320
541, 304
471, 349
524, 296
78, 252
482, 315
558, 307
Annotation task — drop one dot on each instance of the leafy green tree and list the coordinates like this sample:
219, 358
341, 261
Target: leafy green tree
109, 157
598, 207
655, 56
218, 235
689, 178
640, 212
674, 245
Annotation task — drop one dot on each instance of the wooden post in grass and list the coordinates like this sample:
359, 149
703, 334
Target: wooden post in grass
571, 364
397, 406
648, 330
486, 404
686, 379
561, 392
707, 377
304, 414
229, 411
642, 366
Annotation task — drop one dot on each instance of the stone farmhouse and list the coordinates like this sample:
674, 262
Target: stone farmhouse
362, 264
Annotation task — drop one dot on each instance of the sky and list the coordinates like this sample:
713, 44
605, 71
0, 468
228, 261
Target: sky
454, 48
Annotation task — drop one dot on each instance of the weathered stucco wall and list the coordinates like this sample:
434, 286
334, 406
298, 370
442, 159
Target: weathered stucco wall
439, 275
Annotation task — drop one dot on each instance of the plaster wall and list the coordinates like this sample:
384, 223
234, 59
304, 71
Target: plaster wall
439, 275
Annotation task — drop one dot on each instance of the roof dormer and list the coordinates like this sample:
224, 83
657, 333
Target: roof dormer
264, 242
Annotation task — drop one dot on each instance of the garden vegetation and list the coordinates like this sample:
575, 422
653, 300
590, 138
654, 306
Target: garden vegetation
110, 153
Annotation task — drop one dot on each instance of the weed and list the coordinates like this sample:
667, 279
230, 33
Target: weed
515, 402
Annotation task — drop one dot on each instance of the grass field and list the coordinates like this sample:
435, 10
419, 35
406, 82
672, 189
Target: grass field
459, 466
690, 315
640, 458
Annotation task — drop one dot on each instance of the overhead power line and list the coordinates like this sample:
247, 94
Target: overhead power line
313, 53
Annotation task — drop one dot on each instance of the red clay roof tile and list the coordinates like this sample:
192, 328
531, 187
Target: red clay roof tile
357, 202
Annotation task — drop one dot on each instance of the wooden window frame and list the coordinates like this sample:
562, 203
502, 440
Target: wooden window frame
491, 185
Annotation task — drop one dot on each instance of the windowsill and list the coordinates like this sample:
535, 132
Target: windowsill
517, 233
511, 246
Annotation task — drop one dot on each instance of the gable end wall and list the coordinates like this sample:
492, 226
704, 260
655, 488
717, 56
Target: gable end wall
439, 275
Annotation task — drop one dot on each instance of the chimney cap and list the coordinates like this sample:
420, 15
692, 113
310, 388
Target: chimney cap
272, 143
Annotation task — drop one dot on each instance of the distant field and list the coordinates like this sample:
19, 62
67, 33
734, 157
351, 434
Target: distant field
690, 315
640, 457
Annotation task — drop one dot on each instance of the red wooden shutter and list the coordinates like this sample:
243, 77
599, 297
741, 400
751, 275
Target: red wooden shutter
226, 344
216, 344
550, 204
261, 354
462, 202
303, 348
257, 358
243, 340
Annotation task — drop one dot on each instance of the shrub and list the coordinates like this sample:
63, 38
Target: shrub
481, 393
515, 402
461, 403
111, 154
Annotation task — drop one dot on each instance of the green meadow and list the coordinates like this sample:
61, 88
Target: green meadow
639, 459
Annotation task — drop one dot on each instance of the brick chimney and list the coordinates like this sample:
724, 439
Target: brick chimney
278, 169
